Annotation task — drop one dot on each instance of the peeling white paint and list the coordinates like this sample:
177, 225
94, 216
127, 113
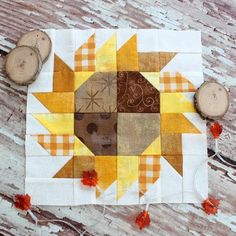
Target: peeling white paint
5, 45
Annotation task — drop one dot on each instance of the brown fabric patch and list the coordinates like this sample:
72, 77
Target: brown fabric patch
83, 163
154, 61
67, 171
148, 61
165, 58
136, 94
97, 131
97, 94
176, 162
171, 147
171, 144
136, 131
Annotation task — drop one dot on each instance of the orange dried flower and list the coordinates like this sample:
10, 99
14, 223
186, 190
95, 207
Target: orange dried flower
90, 178
143, 219
22, 201
210, 205
216, 129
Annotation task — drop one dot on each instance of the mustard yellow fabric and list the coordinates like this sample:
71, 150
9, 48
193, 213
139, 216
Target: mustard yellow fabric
57, 102
177, 123
83, 163
67, 171
63, 76
106, 167
127, 56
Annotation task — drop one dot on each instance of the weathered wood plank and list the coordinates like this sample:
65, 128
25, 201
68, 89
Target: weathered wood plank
217, 22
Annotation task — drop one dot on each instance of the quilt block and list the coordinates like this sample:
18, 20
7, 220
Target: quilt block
119, 102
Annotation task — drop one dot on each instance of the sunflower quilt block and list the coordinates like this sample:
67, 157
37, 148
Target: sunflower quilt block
119, 102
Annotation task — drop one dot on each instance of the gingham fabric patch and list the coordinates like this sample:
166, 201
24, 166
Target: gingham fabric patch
175, 82
149, 171
85, 56
57, 145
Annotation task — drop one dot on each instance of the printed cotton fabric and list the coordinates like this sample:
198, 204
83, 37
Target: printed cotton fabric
119, 102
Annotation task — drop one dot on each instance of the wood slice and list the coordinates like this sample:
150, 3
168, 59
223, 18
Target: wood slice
38, 39
212, 100
23, 64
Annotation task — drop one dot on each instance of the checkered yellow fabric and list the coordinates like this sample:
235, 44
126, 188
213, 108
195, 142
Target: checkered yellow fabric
149, 172
175, 82
85, 56
57, 145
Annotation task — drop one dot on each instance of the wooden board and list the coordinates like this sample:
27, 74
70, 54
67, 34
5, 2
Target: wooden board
217, 22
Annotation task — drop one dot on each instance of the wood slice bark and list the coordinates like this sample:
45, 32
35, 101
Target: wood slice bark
212, 100
40, 40
23, 65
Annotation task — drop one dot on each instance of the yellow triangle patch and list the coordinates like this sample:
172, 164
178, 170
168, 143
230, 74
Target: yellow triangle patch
106, 56
67, 171
153, 78
63, 76
80, 148
154, 148
169, 121
106, 168
175, 103
81, 77
57, 123
57, 102
127, 173
127, 56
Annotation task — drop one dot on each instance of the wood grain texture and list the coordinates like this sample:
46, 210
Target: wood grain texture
217, 21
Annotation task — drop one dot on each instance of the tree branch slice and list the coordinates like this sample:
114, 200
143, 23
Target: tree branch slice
212, 100
23, 65
40, 40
